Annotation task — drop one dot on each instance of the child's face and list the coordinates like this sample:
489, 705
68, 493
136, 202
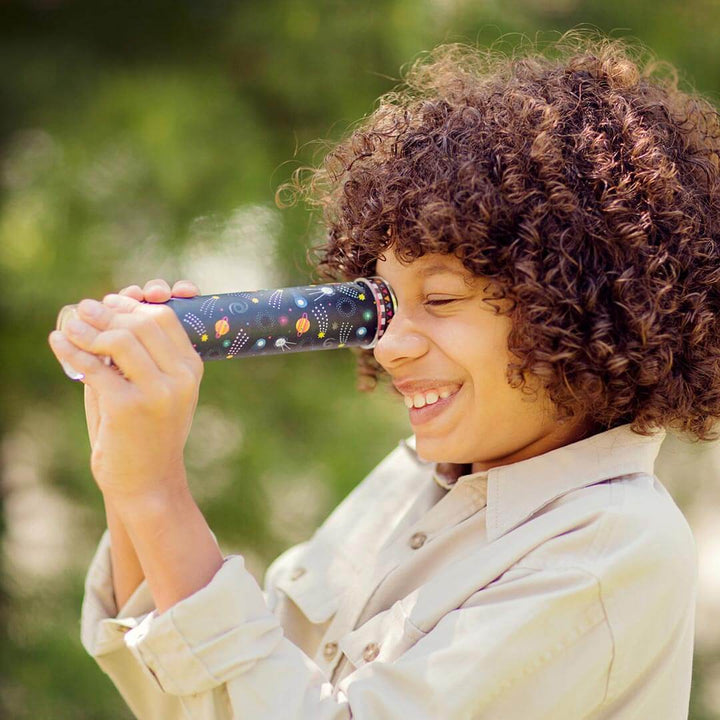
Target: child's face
459, 347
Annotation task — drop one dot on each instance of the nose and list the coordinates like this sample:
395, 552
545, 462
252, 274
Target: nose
401, 341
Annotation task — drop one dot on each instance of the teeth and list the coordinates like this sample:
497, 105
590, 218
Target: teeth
429, 398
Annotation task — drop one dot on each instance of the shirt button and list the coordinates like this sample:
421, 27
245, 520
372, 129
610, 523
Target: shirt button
418, 540
297, 573
371, 651
330, 650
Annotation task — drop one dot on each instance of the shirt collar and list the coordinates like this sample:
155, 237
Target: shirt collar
518, 490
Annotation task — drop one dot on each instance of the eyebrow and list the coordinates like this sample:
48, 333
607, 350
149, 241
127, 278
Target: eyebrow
438, 268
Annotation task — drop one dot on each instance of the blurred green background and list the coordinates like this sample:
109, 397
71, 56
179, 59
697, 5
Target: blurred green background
147, 139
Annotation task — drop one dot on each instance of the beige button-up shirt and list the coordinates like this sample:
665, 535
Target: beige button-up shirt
558, 587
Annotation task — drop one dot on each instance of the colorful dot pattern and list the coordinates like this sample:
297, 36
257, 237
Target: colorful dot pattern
265, 322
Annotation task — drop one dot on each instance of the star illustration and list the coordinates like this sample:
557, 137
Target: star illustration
204, 338
321, 334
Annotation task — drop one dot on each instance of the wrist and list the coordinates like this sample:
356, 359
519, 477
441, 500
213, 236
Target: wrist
177, 552
151, 503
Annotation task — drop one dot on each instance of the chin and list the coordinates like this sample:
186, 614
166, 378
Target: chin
440, 450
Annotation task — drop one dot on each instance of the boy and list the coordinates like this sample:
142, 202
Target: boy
550, 229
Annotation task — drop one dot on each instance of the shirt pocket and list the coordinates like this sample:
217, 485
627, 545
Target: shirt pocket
384, 637
313, 577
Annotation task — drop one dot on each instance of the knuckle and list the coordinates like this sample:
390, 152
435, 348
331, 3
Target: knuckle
88, 306
162, 396
83, 362
119, 302
143, 320
163, 313
86, 363
141, 317
115, 339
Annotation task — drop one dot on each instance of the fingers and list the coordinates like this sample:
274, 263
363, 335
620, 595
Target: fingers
133, 291
167, 320
90, 368
158, 291
100, 329
184, 288
120, 343
155, 326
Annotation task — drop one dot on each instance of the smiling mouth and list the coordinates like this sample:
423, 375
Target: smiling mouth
428, 411
420, 400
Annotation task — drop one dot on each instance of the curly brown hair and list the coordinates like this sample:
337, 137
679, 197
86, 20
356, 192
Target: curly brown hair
585, 183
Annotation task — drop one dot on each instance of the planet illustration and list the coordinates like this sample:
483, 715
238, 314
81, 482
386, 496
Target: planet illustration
302, 325
222, 327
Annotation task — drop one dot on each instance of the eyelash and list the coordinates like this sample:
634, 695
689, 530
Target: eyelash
439, 302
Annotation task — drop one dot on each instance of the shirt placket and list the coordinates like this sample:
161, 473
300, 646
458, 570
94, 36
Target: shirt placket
454, 507
378, 565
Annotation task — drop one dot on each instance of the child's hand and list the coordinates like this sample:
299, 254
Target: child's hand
158, 291
155, 291
139, 417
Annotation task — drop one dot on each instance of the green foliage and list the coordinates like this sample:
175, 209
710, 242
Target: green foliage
132, 133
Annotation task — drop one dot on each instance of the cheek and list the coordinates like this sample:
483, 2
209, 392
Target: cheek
478, 347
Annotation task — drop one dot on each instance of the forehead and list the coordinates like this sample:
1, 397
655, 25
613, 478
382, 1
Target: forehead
424, 266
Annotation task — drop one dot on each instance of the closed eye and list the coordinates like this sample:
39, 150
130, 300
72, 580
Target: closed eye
440, 302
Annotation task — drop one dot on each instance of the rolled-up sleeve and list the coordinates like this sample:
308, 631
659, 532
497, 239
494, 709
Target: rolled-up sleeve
219, 653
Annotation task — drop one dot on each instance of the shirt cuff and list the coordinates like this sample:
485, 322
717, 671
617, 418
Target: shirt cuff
102, 626
208, 638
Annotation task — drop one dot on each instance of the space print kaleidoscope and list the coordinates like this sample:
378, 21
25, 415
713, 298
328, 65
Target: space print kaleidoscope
294, 319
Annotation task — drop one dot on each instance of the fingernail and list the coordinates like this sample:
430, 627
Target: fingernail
56, 338
71, 372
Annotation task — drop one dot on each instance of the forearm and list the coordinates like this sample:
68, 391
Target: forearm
127, 572
175, 549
